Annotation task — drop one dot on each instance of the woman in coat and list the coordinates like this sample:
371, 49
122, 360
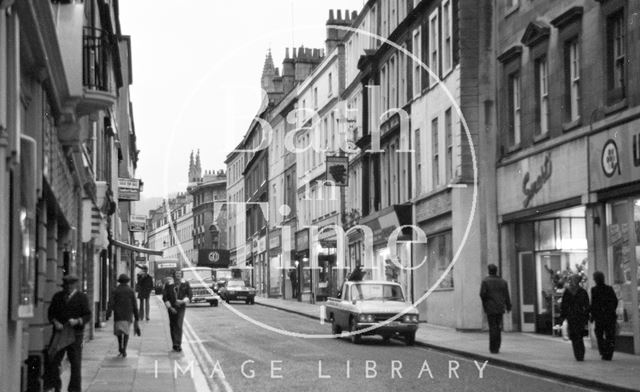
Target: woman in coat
177, 294
575, 309
125, 310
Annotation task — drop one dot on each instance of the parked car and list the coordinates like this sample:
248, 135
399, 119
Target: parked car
202, 283
365, 304
221, 276
237, 290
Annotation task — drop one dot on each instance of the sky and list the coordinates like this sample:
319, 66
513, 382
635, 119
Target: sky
196, 74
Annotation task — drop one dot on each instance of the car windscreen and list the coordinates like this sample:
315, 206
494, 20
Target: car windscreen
223, 274
196, 275
372, 291
235, 283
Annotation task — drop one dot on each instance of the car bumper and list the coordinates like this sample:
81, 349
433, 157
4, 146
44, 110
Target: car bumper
239, 296
205, 298
388, 329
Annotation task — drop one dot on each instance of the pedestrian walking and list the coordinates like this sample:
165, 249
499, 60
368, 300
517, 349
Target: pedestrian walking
293, 276
144, 285
125, 310
68, 312
177, 294
494, 293
604, 302
575, 310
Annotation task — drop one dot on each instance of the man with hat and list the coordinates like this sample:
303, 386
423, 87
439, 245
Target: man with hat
125, 309
69, 310
144, 286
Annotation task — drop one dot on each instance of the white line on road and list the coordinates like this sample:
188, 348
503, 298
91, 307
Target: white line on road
204, 351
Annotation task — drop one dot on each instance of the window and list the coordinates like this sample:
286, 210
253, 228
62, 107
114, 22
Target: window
542, 93
384, 17
330, 84
393, 83
393, 15
514, 109
439, 255
572, 75
384, 85
433, 47
616, 50
416, 149
315, 98
402, 85
447, 34
448, 131
434, 152
417, 70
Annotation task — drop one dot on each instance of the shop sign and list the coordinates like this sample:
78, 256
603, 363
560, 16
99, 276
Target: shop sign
274, 240
137, 223
532, 181
615, 156
214, 258
338, 170
302, 240
262, 244
433, 207
129, 189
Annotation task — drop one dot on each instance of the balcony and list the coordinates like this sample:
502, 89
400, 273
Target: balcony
98, 81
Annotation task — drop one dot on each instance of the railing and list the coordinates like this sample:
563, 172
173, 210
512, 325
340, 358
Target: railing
96, 48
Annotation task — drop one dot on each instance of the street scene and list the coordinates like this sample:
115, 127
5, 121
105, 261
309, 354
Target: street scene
287, 195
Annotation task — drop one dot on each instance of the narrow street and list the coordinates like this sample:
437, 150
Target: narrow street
231, 341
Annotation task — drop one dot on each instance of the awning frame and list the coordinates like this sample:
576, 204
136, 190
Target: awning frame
137, 249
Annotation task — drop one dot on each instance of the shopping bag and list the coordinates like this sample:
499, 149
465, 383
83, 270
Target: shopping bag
60, 340
565, 330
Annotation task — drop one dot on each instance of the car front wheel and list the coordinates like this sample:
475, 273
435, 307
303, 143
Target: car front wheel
355, 337
410, 338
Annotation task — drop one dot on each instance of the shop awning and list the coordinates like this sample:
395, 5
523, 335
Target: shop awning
138, 249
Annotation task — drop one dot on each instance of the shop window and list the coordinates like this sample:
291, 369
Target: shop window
439, 256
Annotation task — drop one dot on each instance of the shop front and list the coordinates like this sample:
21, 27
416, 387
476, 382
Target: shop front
303, 266
615, 184
388, 264
276, 265
543, 230
260, 267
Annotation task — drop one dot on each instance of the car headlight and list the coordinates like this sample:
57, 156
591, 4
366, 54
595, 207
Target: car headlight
366, 318
410, 318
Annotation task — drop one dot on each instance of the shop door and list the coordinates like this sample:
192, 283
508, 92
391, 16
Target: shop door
527, 291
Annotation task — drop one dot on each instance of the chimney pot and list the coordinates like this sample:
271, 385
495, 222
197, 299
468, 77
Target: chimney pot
286, 53
339, 15
346, 14
354, 15
330, 14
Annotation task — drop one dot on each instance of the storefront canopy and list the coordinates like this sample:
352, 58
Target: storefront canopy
136, 248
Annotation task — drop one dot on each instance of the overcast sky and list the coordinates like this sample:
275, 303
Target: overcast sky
196, 74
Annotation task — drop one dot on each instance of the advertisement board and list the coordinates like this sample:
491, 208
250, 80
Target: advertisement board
137, 223
129, 189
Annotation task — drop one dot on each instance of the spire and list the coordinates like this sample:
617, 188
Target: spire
198, 168
268, 72
191, 167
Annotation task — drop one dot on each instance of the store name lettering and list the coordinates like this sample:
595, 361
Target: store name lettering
531, 189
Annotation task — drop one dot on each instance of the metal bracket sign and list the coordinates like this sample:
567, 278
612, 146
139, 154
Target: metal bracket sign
129, 189
337, 170
137, 223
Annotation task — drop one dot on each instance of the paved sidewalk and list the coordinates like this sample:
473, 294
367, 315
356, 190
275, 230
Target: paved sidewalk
545, 355
148, 367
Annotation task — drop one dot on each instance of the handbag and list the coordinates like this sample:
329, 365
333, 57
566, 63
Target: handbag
60, 340
565, 330
136, 329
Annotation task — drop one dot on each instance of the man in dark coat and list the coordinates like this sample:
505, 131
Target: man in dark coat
125, 309
494, 293
575, 309
293, 276
144, 287
69, 309
604, 302
177, 294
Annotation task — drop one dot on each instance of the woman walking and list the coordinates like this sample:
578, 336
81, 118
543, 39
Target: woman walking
177, 294
125, 309
575, 310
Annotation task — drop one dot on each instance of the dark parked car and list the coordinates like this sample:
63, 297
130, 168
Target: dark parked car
237, 290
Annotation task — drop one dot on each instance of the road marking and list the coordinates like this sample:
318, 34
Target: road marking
323, 314
204, 351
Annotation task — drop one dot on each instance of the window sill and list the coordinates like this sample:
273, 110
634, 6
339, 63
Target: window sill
541, 137
616, 107
571, 125
513, 148
509, 11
